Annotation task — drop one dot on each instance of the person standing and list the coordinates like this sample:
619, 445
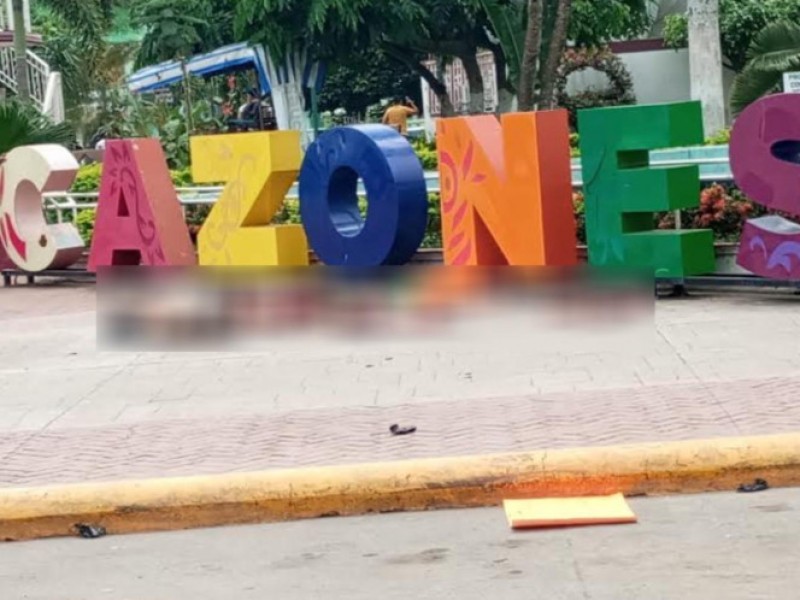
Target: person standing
397, 114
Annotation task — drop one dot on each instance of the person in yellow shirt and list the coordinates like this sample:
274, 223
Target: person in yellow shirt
397, 114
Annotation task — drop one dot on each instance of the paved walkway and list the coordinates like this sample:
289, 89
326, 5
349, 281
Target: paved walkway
717, 365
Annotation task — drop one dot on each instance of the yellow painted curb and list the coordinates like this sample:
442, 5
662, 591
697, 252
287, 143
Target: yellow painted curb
182, 503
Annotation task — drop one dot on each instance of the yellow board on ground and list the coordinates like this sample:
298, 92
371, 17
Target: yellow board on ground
564, 512
258, 169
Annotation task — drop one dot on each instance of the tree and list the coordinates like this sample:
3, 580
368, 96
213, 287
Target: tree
775, 51
179, 28
516, 26
406, 30
365, 78
740, 21
530, 57
89, 65
85, 16
449, 29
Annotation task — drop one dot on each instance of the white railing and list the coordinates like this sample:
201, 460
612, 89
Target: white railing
39, 78
68, 202
7, 15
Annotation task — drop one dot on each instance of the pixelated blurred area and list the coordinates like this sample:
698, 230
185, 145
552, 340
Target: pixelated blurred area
165, 309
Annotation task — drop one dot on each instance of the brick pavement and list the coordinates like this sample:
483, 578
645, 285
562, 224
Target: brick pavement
719, 365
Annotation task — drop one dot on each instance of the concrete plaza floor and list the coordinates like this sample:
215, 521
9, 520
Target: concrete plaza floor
716, 365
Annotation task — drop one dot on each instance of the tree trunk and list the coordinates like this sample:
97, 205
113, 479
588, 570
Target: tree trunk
21, 51
437, 86
554, 54
472, 68
505, 90
705, 62
530, 56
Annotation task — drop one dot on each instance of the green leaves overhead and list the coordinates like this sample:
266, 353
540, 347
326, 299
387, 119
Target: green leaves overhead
178, 28
87, 18
740, 23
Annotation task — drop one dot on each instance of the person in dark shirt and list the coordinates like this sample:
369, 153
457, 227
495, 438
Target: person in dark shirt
252, 110
249, 114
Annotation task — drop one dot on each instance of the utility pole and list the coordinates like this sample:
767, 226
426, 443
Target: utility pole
705, 63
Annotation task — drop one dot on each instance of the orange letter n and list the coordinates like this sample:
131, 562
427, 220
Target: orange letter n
507, 191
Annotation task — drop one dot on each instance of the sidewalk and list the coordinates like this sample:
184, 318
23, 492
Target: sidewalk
732, 546
720, 366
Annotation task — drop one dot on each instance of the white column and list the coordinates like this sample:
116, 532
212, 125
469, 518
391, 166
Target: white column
7, 18
705, 63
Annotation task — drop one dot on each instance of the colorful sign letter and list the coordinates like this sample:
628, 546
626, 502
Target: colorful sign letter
765, 160
507, 190
30, 243
139, 218
259, 168
622, 192
397, 213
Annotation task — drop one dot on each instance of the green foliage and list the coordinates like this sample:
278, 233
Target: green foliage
362, 79
774, 51
181, 28
741, 21
128, 116
88, 179
74, 44
575, 145
85, 224
426, 152
592, 23
433, 233
579, 208
596, 22
719, 139
182, 177
618, 92
88, 19
507, 20
676, 31
25, 126
89, 176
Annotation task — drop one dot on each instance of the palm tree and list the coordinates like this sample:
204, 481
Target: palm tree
775, 51
85, 15
23, 126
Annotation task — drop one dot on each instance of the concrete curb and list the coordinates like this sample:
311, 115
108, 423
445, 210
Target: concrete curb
182, 503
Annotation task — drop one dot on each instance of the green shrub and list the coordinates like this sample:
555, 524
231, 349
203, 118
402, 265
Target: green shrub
719, 139
579, 208
89, 177
182, 177
85, 224
575, 145
433, 234
426, 152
